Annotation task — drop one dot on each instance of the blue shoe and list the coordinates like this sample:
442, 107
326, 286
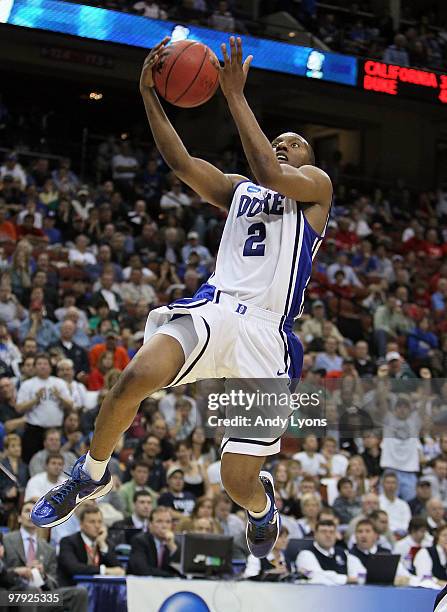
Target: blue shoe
61, 501
263, 533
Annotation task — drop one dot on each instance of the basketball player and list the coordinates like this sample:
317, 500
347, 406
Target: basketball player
238, 324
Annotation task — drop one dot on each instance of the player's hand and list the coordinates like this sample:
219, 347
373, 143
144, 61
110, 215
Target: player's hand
233, 74
147, 78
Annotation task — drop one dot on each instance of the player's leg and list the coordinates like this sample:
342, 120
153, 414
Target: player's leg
252, 489
156, 365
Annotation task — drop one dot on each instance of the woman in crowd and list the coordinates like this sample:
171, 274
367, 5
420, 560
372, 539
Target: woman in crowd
194, 474
358, 475
72, 438
96, 378
202, 448
310, 507
287, 488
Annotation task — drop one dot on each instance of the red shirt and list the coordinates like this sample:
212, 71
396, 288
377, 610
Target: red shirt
120, 359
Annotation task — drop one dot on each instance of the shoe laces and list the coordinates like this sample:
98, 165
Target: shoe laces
66, 488
261, 529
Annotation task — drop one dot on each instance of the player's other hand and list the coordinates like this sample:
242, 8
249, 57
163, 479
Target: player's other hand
233, 74
147, 78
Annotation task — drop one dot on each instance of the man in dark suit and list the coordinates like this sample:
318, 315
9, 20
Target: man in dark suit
139, 519
153, 552
34, 561
87, 552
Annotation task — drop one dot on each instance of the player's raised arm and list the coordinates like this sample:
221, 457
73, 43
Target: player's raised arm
205, 179
305, 183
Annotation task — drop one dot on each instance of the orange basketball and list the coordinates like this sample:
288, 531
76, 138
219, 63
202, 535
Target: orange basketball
186, 74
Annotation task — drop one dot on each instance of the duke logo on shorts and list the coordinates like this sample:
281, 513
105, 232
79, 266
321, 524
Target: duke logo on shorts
243, 316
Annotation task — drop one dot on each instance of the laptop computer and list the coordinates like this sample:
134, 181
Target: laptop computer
381, 568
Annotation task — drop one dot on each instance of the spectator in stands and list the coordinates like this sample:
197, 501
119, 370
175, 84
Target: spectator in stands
310, 508
11, 419
120, 356
312, 462
325, 564
142, 508
38, 326
363, 362
182, 502
287, 489
372, 453
435, 514
42, 399
12, 168
222, 19
417, 538
397, 53
77, 390
42, 482
229, 523
70, 349
194, 245
149, 8
87, 552
25, 545
367, 544
438, 479
398, 511
124, 166
138, 482
423, 493
80, 255
51, 444
154, 551
274, 564
184, 420
329, 360
12, 313
431, 562
370, 503
12, 461
106, 293
149, 451
136, 289
342, 265
346, 505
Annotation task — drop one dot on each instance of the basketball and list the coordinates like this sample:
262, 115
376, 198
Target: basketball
186, 74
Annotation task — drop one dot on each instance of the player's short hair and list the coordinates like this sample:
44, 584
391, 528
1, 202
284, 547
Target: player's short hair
365, 522
159, 510
417, 523
54, 456
343, 481
139, 494
89, 509
325, 523
9, 438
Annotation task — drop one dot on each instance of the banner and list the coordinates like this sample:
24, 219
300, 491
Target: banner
175, 595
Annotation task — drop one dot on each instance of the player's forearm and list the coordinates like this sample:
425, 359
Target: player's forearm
257, 148
166, 138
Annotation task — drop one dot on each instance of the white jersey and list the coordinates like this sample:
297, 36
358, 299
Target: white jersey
266, 253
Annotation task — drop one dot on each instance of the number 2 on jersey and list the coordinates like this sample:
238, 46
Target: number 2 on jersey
253, 246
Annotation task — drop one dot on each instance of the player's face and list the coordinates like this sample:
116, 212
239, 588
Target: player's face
291, 149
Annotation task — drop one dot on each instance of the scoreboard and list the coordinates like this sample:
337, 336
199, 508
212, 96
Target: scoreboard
402, 81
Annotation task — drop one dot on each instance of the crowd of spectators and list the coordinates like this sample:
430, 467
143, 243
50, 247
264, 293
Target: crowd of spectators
357, 28
81, 265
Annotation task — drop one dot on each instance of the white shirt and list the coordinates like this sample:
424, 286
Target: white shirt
17, 173
39, 484
80, 396
399, 513
401, 570
403, 547
213, 473
311, 465
75, 256
423, 563
400, 444
253, 567
124, 161
174, 200
37, 218
48, 412
150, 10
307, 563
351, 277
338, 465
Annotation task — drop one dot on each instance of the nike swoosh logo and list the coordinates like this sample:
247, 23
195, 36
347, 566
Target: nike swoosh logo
81, 499
280, 373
